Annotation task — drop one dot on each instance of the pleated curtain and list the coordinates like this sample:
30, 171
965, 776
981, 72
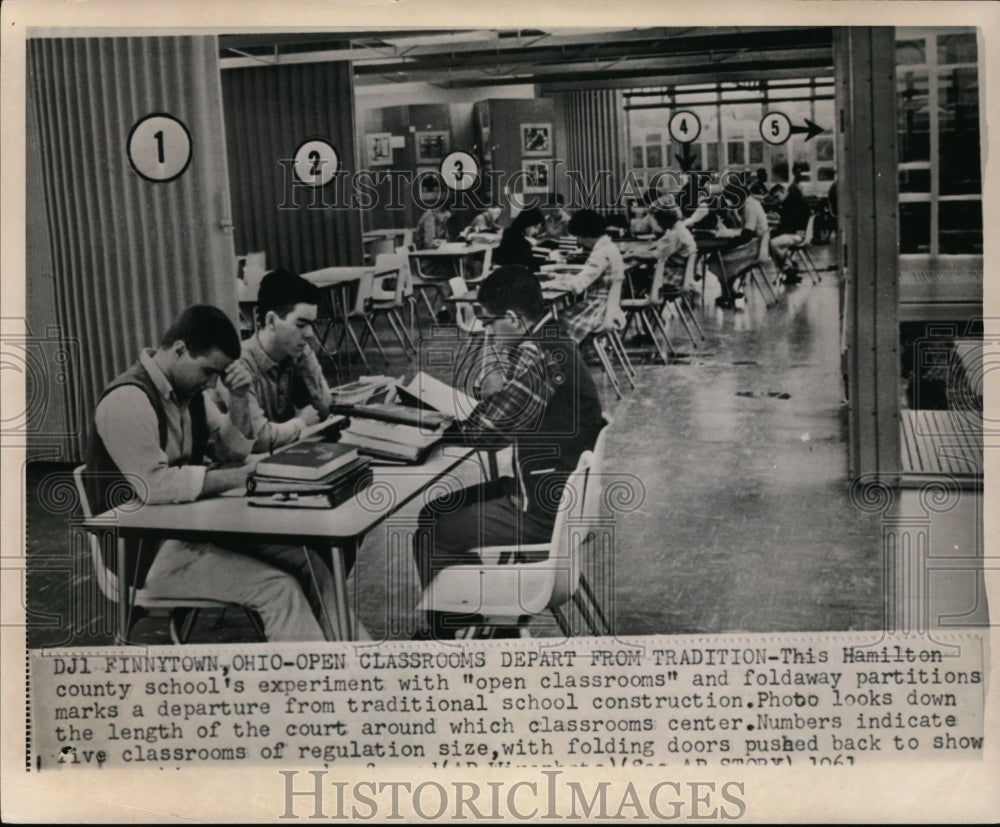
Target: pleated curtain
270, 112
124, 255
594, 137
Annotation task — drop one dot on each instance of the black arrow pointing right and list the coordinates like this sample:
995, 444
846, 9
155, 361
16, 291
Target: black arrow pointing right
811, 128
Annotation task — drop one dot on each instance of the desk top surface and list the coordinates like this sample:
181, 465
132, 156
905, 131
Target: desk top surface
392, 488
330, 276
454, 248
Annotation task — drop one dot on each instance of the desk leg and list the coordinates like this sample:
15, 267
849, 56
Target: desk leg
124, 604
343, 625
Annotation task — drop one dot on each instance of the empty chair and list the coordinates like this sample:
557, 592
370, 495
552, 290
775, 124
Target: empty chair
798, 253
388, 297
491, 595
183, 611
646, 311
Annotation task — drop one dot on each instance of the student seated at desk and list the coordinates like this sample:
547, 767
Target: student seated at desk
547, 407
557, 217
604, 269
793, 215
432, 228
152, 431
487, 221
516, 246
288, 391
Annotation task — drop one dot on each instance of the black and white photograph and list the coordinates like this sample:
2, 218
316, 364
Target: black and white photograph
536, 139
378, 149
536, 175
432, 146
630, 455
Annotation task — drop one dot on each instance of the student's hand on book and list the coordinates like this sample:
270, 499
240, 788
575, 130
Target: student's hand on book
237, 378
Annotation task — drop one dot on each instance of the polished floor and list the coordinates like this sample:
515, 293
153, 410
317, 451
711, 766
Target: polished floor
737, 514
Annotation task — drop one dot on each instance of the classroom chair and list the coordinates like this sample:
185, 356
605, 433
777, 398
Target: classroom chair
496, 595
182, 611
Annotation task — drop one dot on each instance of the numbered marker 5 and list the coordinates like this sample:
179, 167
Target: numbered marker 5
775, 128
460, 170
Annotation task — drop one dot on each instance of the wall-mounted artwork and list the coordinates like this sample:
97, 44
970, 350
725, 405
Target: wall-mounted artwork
535, 177
378, 149
536, 139
432, 146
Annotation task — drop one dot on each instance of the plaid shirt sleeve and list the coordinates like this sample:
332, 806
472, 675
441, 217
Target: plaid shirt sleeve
518, 406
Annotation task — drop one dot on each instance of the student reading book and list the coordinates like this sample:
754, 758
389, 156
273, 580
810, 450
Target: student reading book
288, 391
547, 407
153, 424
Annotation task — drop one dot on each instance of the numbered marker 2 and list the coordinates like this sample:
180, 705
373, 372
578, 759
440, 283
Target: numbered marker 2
685, 126
316, 161
775, 128
159, 147
460, 170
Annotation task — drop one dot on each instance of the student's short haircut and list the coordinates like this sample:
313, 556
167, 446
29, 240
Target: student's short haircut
512, 288
586, 224
666, 218
202, 327
281, 290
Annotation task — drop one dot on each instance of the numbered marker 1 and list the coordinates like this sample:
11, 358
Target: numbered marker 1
685, 126
159, 147
775, 128
460, 171
316, 162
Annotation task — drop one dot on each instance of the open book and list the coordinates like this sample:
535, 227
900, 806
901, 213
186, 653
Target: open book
428, 392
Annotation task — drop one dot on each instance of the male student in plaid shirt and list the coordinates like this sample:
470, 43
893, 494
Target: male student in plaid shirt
547, 407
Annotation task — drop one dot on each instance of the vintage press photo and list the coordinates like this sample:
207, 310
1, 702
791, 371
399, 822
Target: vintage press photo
756, 584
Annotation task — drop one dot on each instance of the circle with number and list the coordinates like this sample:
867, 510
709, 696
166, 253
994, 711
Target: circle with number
460, 170
159, 148
685, 126
316, 162
775, 128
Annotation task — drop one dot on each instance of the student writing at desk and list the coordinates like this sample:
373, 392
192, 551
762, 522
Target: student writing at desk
152, 430
547, 406
288, 391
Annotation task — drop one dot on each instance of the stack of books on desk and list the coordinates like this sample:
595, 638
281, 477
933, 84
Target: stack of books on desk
309, 475
395, 432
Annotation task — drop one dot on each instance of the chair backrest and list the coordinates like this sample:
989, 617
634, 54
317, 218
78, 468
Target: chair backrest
363, 298
570, 533
464, 314
106, 580
764, 254
388, 283
254, 270
808, 234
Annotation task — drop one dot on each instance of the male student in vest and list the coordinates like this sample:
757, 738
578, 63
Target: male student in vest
152, 430
547, 406
287, 390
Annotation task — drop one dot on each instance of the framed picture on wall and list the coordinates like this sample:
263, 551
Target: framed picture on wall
430, 183
536, 139
432, 146
378, 149
535, 176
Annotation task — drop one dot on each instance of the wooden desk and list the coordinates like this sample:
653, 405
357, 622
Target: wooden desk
229, 517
